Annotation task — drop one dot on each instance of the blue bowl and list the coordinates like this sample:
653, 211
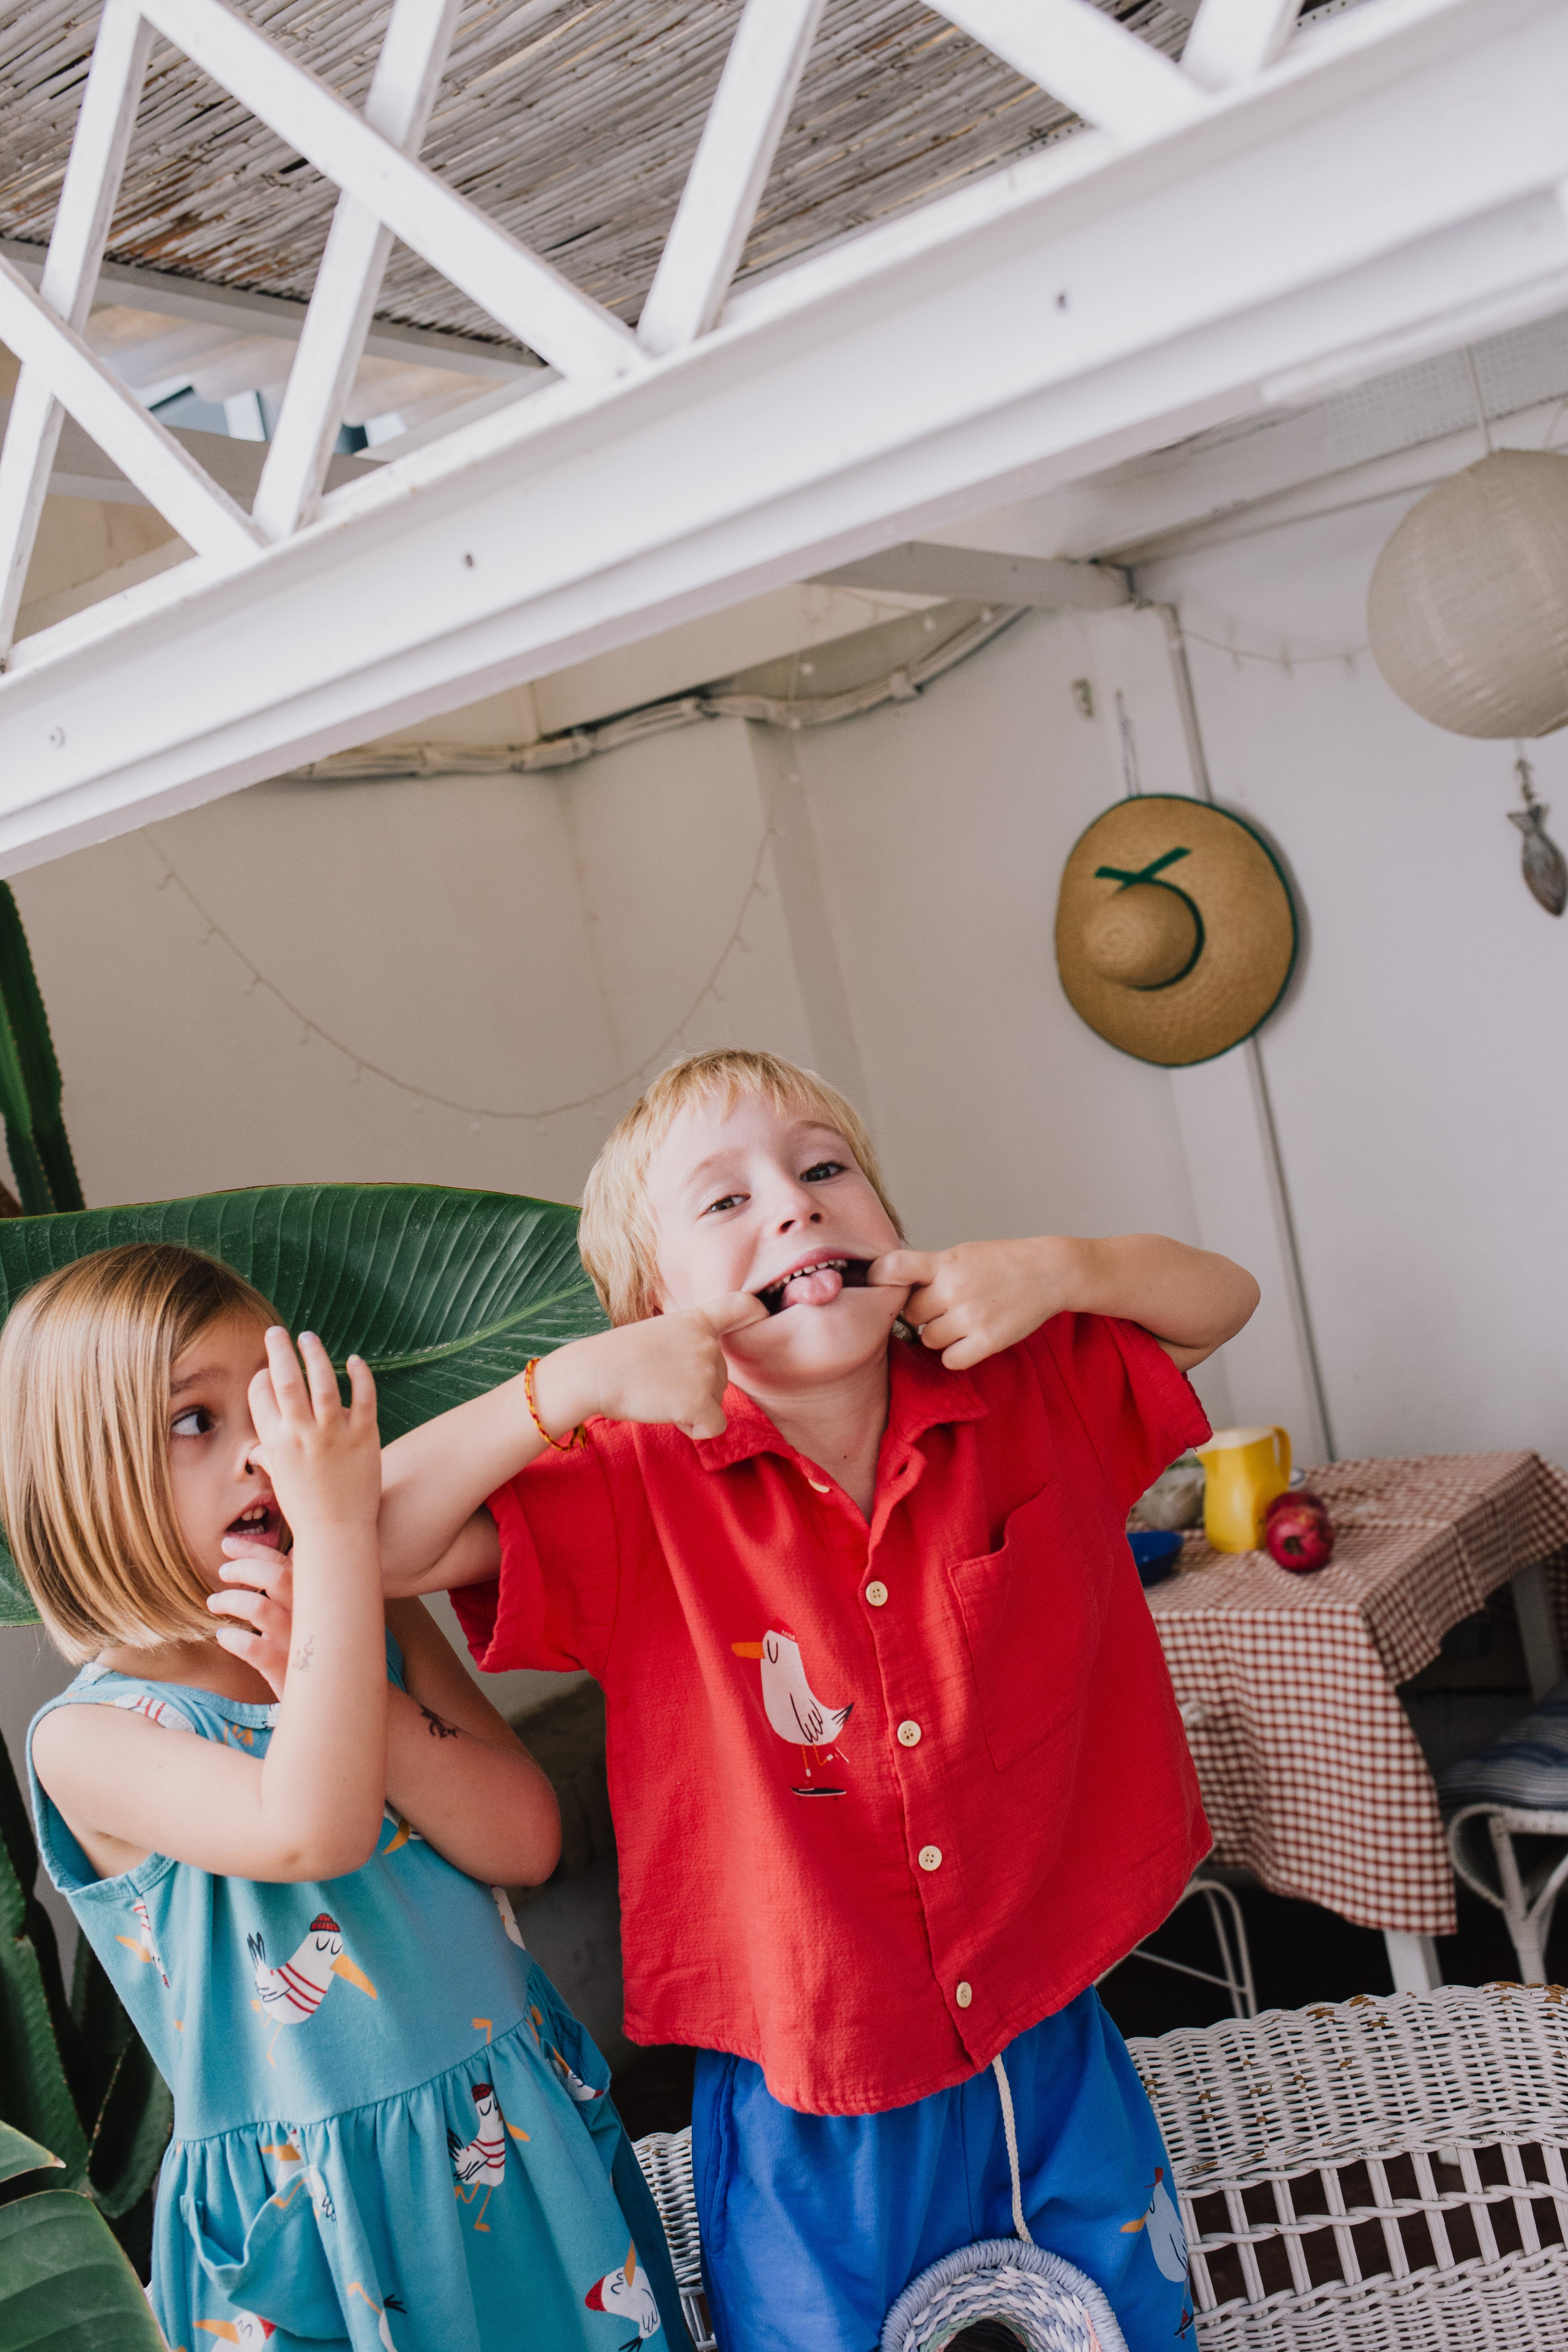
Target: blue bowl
1156, 1553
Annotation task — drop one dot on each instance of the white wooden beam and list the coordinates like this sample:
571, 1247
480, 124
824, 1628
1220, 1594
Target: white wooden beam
402, 92
1232, 40
242, 310
870, 395
1104, 72
65, 369
931, 568
519, 290
69, 274
724, 186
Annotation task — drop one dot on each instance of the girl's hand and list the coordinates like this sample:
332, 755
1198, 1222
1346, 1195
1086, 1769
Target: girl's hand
671, 1369
260, 1597
324, 1462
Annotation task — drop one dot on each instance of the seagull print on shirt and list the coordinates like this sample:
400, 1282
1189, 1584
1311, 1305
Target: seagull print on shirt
1166, 2239
792, 1706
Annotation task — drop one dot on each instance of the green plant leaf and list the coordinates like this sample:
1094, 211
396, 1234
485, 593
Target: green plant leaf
20, 2154
39, 1151
444, 1293
65, 2285
131, 2131
34, 2091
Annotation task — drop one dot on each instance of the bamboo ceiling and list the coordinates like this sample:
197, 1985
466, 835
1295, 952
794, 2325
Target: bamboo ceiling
571, 122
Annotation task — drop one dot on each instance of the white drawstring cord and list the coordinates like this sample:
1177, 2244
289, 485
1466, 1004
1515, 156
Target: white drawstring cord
1010, 2130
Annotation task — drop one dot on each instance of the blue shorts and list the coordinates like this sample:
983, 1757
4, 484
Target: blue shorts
814, 2225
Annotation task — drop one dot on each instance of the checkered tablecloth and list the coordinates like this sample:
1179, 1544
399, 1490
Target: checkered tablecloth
1311, 1776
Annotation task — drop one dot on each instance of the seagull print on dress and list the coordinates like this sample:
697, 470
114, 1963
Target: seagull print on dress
481, 2162
290, 2150
146, 1944
502, 1901
244, 2329
381, 2310
291, 1993
626, 2293
403, 1831
792, 1706
156, 1710
583, 2092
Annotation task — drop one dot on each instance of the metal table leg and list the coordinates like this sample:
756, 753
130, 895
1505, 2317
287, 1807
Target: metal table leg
1413, 1962
1538, 1629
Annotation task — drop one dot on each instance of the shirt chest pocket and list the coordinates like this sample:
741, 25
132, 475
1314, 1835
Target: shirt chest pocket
1031, 1616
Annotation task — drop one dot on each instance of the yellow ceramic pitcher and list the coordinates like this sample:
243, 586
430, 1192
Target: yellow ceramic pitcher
1244, 1469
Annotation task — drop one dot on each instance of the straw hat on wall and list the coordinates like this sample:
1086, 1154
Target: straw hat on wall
1175, 930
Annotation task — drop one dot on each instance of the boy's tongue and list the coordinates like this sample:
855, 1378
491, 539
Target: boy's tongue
820, 1287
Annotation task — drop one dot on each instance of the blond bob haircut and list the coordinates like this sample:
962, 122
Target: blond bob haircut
618, 1236
86, 1358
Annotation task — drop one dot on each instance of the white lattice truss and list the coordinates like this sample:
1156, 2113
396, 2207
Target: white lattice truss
1266, 217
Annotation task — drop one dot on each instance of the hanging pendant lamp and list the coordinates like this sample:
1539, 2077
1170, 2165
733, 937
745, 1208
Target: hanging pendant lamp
1468, 610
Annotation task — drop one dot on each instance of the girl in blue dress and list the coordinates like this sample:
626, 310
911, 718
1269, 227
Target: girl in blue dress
285, 1823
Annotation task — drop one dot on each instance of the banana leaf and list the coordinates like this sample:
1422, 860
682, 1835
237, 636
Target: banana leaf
444, 1293
65, 2285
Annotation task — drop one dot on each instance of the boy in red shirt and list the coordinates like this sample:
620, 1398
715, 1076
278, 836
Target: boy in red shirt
896, 1766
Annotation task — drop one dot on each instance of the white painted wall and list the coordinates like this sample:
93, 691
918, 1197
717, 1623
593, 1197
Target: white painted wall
1416, 1070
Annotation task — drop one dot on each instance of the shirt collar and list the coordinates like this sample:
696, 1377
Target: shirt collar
924, 1395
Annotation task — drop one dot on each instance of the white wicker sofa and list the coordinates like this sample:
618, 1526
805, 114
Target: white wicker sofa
1375, 2175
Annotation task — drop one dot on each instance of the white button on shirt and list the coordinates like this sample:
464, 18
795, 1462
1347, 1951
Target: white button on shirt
964, 1993
930, 1857
910, 1735
876, 1592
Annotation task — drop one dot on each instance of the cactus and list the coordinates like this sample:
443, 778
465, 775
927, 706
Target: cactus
73, 2074
35, 1138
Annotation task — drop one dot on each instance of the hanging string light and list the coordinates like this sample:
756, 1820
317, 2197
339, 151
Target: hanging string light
478, 1114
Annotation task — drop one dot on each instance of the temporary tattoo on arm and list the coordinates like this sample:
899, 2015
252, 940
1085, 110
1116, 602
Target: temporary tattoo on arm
438, 1730
303, 1654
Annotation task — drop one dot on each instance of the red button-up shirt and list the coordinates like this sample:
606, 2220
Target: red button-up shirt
885, 1794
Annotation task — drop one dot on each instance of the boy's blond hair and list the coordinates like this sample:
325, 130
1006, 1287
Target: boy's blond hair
618, 1236
86, 1360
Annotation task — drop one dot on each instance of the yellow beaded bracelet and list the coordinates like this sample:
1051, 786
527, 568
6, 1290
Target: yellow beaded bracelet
557, 1444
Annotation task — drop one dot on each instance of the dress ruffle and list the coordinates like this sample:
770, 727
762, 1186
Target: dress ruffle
410, 2217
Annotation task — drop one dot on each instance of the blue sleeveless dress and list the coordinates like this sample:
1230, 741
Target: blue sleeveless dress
389, 2132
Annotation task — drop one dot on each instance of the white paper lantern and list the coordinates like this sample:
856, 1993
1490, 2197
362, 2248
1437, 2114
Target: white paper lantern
1467, 611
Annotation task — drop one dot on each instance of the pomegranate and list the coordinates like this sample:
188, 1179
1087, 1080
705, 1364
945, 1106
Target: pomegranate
1299, 1533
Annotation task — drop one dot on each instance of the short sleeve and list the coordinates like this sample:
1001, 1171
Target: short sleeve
1138, 1409
554, 1603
